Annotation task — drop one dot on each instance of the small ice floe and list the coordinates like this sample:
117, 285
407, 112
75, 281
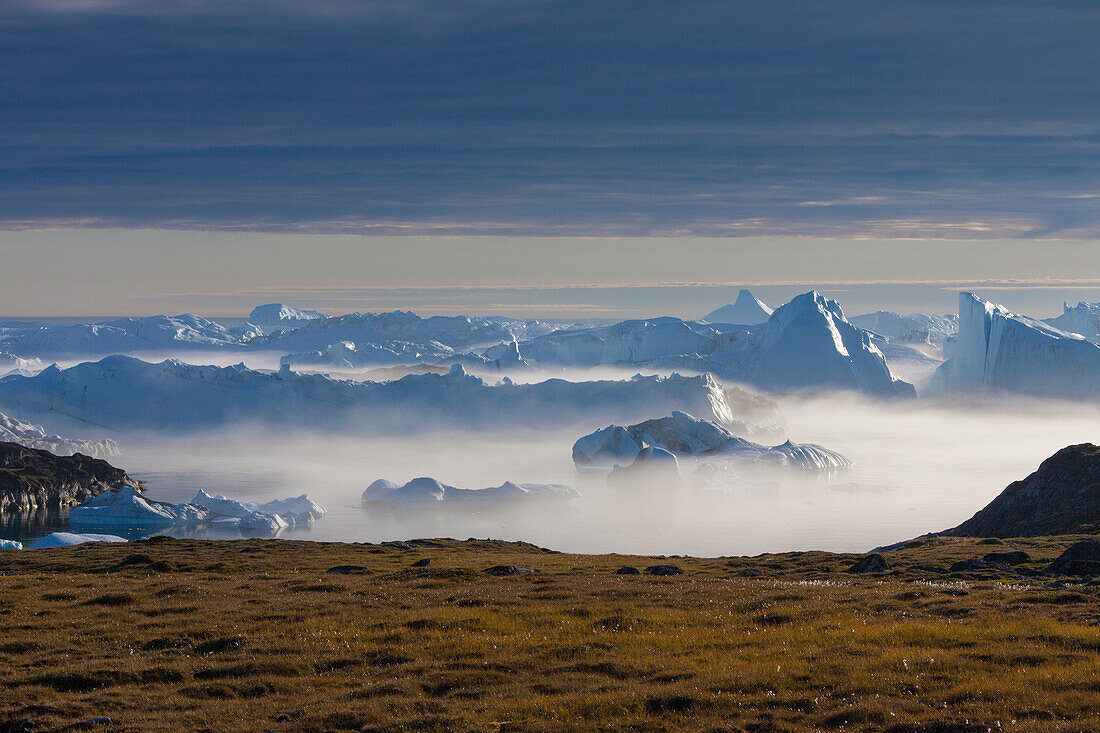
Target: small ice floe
65, 539
10, 545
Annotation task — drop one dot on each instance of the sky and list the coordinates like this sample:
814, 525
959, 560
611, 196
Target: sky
199, 154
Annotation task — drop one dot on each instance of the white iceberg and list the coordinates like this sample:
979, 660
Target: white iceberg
35, 436
66, 539
128, 508
158, 333
1082, 319
133, 395
263, 522
275, 317
911, 329
10, 545
682, 436
805, 345
747, 310
428, 491
999, 350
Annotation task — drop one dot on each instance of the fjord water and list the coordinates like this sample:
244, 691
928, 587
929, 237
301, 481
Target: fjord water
919, 466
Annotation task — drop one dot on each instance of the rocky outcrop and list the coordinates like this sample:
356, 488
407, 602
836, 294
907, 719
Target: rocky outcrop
1062, 497
1082, 558
33, 479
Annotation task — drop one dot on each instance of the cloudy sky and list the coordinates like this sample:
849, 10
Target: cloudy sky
621, 125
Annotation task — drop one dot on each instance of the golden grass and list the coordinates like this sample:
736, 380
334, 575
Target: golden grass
255, 635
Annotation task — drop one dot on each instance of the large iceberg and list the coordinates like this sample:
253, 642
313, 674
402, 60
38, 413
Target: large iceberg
428, 491
805, 345
132, 395
685, 436
128, 508
35, 436
1082, 319
156, 333
747, 310
275, 317
10, 363
1000, 350
915, 328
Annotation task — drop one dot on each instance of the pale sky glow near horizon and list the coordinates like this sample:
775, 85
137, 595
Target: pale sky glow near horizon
102, 273
545, 157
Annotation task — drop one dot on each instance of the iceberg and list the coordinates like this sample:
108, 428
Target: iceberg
275, 317
132, 395
263, 522
1002, 351
67, 539
911, 329
10, 545
158, 333
35, 436
682, 436
10, 363
128, 508
747, 310
428, 491
1082, 319
806, 344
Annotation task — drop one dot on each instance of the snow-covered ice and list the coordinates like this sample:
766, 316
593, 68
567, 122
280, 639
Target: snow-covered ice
10, 545
685, 436
275, 317
1082, 319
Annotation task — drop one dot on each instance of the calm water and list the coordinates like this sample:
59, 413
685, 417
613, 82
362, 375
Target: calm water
919, 467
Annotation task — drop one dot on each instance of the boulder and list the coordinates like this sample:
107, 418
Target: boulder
503, 570
663, 570
1061, 497
1081, 558
627, 570
868, 564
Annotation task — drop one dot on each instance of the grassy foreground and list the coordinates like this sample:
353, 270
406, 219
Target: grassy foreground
256, 635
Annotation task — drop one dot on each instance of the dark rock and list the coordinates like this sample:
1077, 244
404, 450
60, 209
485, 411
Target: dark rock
749, 573
873, 563
976, 564
927, 569
422, 562
627, 570
1080, 558
989, 541
32, 479
502, 570
1016, 557
663, 570
1061, 497
347, 570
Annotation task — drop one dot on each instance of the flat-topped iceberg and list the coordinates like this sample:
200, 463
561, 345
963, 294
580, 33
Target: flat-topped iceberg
275, 317
132, 395
1000, 350
682, 435
428, 491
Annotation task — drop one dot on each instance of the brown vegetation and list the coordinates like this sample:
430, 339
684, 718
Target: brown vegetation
256, 635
